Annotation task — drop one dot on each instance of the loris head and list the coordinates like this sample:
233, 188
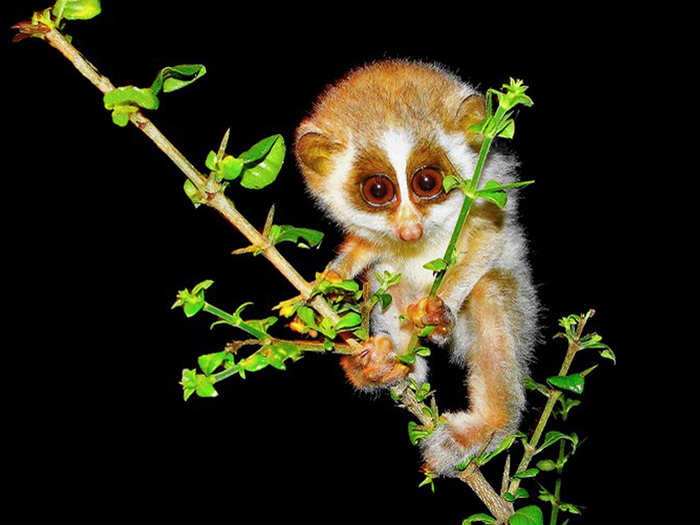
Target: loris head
378, 144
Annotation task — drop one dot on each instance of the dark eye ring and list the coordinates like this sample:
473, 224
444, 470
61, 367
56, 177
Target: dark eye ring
377, 190
427, 183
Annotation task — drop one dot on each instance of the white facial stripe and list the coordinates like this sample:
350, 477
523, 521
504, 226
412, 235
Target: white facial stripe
459, 153
398, 144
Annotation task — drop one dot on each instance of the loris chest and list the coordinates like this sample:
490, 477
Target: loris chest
415, 280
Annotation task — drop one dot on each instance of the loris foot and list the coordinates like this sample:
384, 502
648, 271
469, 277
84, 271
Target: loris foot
462, 435
375, 365
433, 311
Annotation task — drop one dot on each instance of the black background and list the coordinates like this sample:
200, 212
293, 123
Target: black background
99, 236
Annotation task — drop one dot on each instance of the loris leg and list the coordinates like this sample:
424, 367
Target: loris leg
488, 329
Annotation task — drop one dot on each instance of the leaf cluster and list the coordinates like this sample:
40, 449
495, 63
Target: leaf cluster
126, 100
555, 390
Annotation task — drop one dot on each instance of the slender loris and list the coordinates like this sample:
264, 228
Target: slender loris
374, 152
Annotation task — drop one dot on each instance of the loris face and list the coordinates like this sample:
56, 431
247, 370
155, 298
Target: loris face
379, 144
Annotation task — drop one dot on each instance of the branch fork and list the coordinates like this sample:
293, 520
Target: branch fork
212, 194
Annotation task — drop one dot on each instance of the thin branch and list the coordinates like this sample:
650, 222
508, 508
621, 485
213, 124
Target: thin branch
215, 199
472, 476
531, 445
506, 475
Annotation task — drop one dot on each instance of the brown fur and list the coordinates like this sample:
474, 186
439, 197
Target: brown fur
488, 308
370, 123
381, 93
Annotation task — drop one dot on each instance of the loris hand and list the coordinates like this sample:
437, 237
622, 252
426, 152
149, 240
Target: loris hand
432, 311
375, 365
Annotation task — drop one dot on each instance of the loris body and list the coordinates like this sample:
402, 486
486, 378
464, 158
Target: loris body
374, 153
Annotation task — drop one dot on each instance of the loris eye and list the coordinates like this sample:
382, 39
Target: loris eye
427, 183
378, 190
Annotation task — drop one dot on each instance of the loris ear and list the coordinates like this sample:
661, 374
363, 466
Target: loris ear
472, 110
314, 150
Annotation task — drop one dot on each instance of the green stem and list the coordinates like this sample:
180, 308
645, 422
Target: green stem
235, 322
531, 446
304, 346
557, 485
463, 214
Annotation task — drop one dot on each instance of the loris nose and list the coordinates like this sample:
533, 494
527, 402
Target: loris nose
411, 232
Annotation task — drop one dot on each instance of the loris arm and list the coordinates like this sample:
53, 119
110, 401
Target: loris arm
354, 255
480, 247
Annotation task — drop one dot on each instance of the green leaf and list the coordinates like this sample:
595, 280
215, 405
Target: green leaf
77, 9
508, 130
545, 495
514, 94
210, 362
428, 480
254, 362
531, 384
520, 493
204, 285
190, 302
285, 233
130, 95
237, 314
572, 382
436, 265
260, 149
230, 167
327, 287
204, 386
188, 382
529, 473
388, 279
422, 351
553, 436
385, 300
505, 445
120, 115
263, 162
426, 331
607, 353
349, 320
172, 78
408, 358
530, 515
569, 324
361, 334
416, 432
546, 465
262, 324
192, 193
192, 307
326, 328
566, 405
568, 507
481, 518
491, 191
450, 182
211, 162
496, 186
307, 315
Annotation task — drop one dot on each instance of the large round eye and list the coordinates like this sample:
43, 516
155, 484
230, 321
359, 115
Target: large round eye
378, 190
427, 183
